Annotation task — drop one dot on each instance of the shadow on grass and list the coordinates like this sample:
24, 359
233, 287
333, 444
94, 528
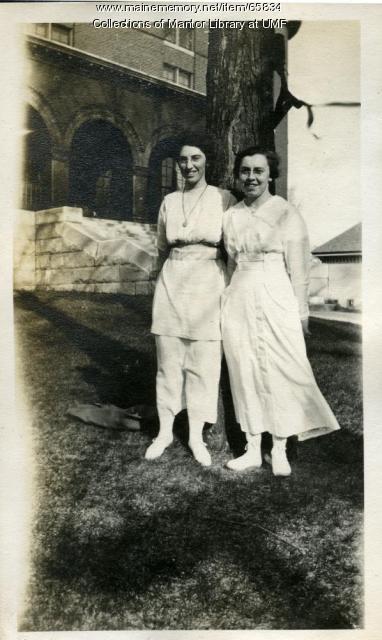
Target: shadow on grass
120, 375
124, 376
161, 547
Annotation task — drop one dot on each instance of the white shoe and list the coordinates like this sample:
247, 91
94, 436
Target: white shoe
157, 447
280, 464
200, 453
249, 460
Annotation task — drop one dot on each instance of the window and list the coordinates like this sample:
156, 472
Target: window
61, 33
42, 30
183, 38
170, 34
169, 73
178, 76
168, 177
186, 38
184, 78
57, 32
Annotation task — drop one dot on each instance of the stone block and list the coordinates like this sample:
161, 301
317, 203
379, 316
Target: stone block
24, 233
24, 279
61, 214
54, 287
53, 277
87, 288
24, 225
78, 259
70, 260
54, 245
113, 251
74, 235
128, 288
143, 288
24, 286
104, 274
107, 287
129, 273
127, 251
78, 275
25, 263
47, 261
23, 247
50, 230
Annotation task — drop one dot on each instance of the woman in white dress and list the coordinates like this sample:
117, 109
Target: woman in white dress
186, 307
265, 316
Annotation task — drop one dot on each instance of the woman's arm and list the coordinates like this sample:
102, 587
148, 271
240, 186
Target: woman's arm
297, 258
231, 266
229, 245
162, 245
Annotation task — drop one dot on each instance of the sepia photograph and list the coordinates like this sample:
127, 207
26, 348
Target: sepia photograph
188, 318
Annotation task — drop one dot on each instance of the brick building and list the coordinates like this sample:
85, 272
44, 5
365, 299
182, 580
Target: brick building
105, 107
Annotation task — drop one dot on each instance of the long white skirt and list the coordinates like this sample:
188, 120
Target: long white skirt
188, 377
272, 382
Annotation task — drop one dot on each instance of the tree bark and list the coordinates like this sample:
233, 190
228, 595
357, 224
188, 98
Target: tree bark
239, 95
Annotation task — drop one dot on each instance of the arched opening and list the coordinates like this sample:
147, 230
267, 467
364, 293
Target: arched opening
101, 171
37, 163
163, 175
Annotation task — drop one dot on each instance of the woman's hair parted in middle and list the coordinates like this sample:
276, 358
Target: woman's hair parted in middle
202, 141
272, 157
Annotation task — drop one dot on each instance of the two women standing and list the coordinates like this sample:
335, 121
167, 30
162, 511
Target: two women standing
263, 312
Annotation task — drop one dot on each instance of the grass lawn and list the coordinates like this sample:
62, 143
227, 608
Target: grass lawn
121, 543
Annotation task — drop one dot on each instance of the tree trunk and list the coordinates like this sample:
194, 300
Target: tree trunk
239, 95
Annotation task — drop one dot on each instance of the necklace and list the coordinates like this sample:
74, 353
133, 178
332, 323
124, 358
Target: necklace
186, 217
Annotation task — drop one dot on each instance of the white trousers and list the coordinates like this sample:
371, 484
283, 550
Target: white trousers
188, 377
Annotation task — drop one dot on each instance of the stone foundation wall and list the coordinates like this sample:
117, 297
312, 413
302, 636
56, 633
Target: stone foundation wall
24, 250
73, 253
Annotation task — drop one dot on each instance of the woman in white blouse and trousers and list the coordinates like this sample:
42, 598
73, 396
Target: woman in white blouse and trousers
186, 306
265, 317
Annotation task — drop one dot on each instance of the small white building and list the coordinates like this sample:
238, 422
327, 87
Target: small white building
337, 277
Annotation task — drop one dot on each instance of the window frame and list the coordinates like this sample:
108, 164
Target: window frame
176, 45
167, 175
176, 81
50, 27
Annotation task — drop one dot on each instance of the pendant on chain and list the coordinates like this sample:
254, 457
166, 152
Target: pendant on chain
186, 218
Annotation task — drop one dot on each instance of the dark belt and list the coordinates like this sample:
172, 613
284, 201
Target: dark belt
179, 243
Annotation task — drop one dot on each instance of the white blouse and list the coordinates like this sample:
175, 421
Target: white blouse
273, 227
204, 224
189, 287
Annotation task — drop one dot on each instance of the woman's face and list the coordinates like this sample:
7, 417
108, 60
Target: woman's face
254, 176
192, 164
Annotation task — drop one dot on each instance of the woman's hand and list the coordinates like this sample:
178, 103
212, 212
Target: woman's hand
305, 327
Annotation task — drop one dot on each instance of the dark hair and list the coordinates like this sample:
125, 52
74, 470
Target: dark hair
272, 157
202, 141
